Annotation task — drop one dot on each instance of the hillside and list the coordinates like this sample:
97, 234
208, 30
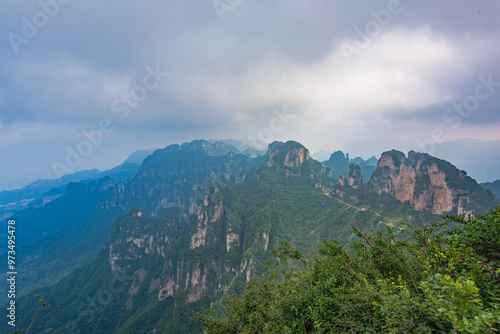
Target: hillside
493, 186
429, 183
41, 192
178, 264
73, 222
339, 163
202, 222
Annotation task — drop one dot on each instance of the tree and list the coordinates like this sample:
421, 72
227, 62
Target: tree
42, 301
442, 278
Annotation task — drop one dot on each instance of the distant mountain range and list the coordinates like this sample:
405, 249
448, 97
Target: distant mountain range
41, 192
198, 220
493, 186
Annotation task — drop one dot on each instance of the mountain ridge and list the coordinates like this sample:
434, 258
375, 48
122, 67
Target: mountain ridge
178, 261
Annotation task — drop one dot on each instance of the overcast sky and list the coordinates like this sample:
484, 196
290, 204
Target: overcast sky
325, 73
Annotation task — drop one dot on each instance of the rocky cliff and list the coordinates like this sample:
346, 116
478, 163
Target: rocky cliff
354, 178
174, 179
289, 154
427, 183
190, 240
217, 248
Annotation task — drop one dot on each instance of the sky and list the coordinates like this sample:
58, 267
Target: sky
83, 84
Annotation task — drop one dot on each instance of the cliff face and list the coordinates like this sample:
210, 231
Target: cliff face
427, 183
289, 154
215, 250
340, 162
226, 240
170, 256
354, 178
175, 178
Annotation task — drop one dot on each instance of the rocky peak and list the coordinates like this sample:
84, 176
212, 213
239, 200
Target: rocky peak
426, 182
173, 179
342, 179
392, 159
289, 154
354, 178
338, 157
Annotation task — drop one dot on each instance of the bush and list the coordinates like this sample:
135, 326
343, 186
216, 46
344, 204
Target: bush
443, 278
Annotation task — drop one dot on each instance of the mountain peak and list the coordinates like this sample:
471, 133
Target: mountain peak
355, 179
289, 154
138, 156
428, 183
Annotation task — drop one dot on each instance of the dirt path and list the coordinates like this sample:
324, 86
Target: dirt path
391, 223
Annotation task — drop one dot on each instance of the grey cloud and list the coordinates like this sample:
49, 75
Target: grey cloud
226, 75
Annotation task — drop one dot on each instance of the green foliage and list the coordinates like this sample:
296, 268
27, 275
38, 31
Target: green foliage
456, 303
397, 157
412, 280
25, 331
372, 282
339, 163
422, 182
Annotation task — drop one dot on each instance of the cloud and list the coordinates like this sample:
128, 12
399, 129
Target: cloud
263, 54
226, 77
60, 90
401, 72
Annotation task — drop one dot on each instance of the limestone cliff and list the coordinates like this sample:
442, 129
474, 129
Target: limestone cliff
289, 154
427, 183
354, 178
175, 178
213, 252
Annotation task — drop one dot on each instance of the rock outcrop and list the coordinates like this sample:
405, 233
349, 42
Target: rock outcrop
289, 154
354, 178
426, 182
175, 178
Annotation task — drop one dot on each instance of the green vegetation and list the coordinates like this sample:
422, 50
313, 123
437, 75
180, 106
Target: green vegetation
60, 236
398, 157
285, 206
422, 182
339, 163
493, 186
25, 331
203, 220
432, 279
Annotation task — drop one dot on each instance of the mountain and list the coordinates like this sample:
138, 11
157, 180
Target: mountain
203, 219
17, 199
493, 186
138, 156
171, 180
481, 159
321, 155
246, 147
429, 183
72, 222
60, 235
155, 271
339, 163
41, 192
